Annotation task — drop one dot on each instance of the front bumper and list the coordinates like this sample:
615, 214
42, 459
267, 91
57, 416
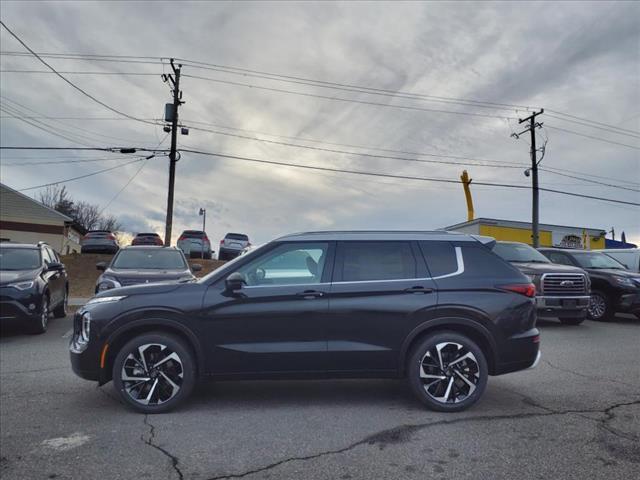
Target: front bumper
629, 302
562, 306
22, 306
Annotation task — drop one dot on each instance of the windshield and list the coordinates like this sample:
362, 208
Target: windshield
230, 265
597, 260
151, 259
19, 258
519, 252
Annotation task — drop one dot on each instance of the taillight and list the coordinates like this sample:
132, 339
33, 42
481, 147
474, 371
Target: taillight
181, 238
222, 241
526, 289
111, 236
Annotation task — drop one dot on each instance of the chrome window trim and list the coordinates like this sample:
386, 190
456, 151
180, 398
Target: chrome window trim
459, 271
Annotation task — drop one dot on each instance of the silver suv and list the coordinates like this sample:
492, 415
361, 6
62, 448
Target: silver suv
195, 243
232, 245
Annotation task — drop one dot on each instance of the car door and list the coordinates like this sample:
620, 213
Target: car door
380, 290
276, 322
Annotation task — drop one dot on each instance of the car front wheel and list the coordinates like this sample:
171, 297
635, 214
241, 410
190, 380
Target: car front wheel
599, 306
447, 371
154, 372
41, 322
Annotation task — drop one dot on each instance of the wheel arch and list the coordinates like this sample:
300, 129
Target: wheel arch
122, 335
464, 326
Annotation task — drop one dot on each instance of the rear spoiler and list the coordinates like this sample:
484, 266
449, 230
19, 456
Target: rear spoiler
488, 242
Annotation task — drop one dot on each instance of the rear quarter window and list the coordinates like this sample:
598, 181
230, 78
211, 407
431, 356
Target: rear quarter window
440, 258
479, 262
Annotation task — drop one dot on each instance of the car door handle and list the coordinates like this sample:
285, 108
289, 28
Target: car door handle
310, 294
418, 289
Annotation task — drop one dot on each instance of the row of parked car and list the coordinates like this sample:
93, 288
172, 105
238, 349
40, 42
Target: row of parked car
194, 243
575, 284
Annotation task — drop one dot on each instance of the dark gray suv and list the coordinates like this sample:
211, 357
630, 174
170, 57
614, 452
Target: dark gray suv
439, 309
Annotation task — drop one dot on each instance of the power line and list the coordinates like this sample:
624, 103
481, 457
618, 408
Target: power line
403, 177
606, 129
591, 121
284, 78
74, 72
109, 107
590, 181
360, 154
80, 177
65, 162
349, 100
590, 136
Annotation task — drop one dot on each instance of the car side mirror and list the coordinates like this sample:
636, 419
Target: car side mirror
235, 281
196, 267
55, 267
102, 266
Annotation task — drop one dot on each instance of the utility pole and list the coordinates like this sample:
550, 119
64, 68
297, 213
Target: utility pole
535, 208
172, 109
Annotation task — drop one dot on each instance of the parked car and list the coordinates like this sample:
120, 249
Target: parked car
147, 239
232, 245
437, 308
99, 241
613, 287
144, 264
195, 243
561, 291
33, 285
629, 257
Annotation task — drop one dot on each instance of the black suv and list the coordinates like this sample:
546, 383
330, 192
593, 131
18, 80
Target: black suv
562, 291
613, 287
143, 264
437, 308
33, 284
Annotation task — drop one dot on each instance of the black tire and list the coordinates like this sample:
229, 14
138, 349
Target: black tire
163, 397
571, 320
41, 322
61, 310
451, 385
600, 307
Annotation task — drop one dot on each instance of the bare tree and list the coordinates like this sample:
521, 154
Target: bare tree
57, 197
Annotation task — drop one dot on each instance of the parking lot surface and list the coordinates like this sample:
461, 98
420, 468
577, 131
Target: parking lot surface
575, 416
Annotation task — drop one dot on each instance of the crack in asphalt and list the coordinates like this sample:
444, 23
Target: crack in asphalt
150, 441
15, 372
403, 433
591, 377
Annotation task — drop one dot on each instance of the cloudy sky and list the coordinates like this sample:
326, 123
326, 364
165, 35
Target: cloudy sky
580, 59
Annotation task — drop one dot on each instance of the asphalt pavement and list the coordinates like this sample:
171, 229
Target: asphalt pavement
577, 415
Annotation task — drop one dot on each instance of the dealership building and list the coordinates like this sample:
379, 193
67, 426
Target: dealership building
25, 220
550, 235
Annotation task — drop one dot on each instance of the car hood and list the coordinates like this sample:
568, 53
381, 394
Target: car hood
540, 268
12, 276
142, 289
150, 275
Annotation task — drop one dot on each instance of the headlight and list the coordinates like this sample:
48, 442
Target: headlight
85, 327
624, 281
21, 285
96, 300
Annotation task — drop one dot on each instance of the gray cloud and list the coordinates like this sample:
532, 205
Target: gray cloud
582, 58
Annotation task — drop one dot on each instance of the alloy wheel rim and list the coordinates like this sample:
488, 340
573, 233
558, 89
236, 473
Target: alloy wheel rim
152, 374
449, 372
597, 305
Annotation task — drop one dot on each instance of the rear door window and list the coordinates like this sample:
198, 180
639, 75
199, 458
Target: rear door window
440, 257
367, 261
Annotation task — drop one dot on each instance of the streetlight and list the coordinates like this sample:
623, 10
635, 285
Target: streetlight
203, 214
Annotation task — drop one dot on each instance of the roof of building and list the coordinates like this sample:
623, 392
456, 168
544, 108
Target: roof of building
518, 224
18, 205
367, 235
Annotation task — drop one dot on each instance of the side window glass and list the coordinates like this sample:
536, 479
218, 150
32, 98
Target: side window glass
53, 255
480, 262
365, 261
288, 264
440, 257
559, 258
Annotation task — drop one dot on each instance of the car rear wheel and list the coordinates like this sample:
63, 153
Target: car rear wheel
447, 371
154, 372
41, 322
600, 308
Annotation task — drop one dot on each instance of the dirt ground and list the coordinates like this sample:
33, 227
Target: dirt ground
83, 274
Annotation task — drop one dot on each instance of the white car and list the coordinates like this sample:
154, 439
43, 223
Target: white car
195, 244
